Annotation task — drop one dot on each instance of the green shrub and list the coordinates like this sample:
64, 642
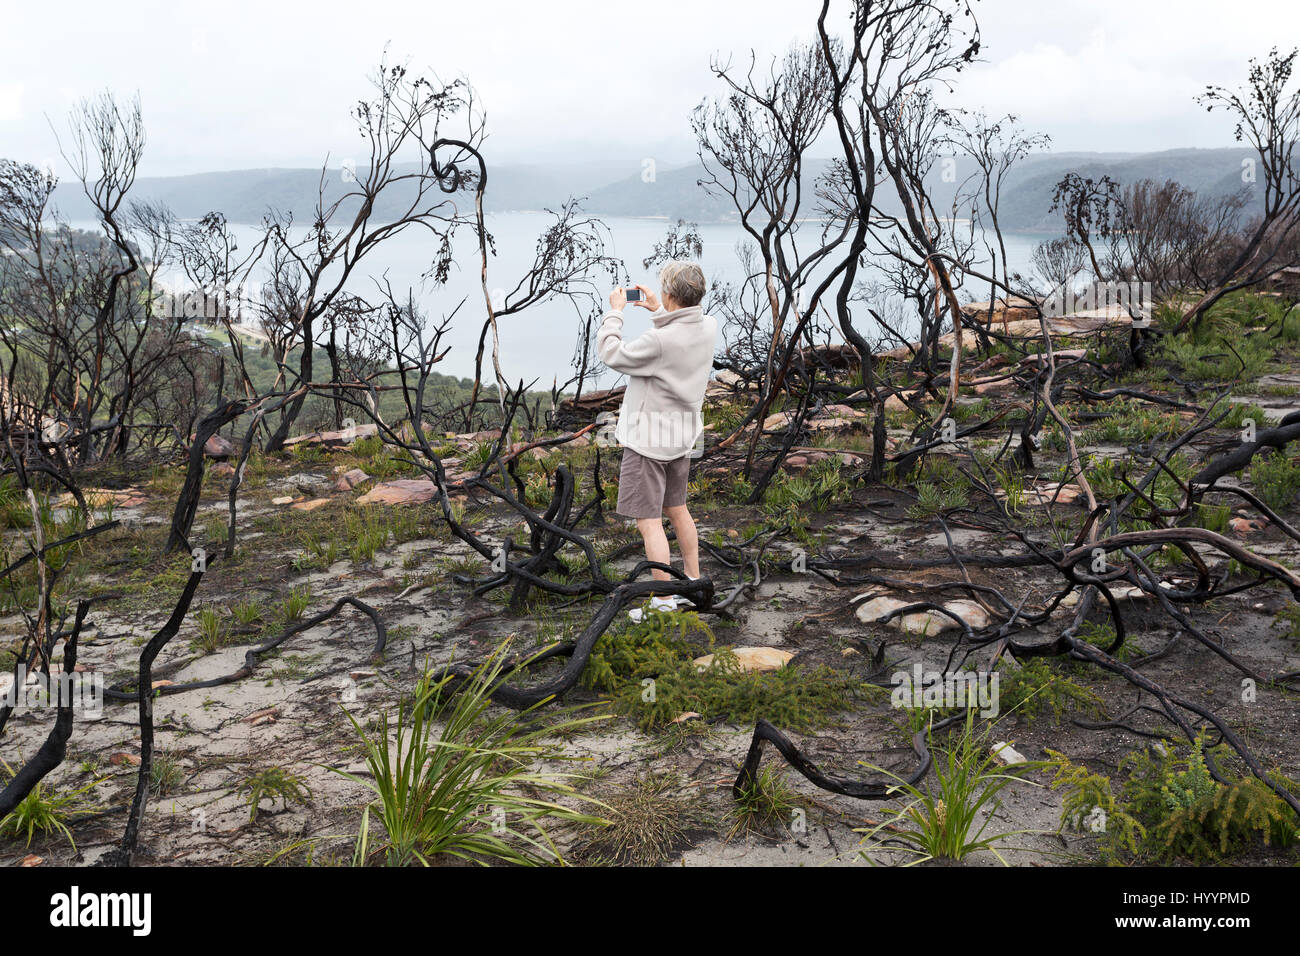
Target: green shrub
1240, 411
1037, 687
270, 784
1169, 807
656, 643
932, 499
1276, 478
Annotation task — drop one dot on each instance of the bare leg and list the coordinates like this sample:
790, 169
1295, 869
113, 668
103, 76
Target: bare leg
656, 544
687, 538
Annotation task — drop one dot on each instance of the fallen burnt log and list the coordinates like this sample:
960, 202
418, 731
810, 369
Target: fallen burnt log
764, 732
521, 698
254, 654
1287, 430
574, 414
1121, 555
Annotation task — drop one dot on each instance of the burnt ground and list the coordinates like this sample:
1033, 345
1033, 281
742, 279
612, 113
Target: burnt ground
289, 713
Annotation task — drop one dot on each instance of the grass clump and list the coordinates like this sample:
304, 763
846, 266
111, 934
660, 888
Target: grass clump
213, 632
764, 802
1126, 422
648, 669
933, 499
45, 811
792, 697
454, 778
1276, 478
647, 823
628, 654
948, 821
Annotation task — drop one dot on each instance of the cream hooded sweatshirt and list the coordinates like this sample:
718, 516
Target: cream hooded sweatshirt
667, 371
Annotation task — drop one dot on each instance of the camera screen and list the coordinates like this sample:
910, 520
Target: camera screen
634, 295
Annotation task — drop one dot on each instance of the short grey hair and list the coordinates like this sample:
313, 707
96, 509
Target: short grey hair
684, 281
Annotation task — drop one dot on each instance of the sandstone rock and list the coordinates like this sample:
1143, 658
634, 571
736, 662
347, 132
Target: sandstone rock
1064, 493
841, 411
922, 622
282, 500
222, 469
467, 440
403, 491
334, 439
1049, 494
310, 505
1059, 355
305, 483
124, 760
994, 385
971, 612
219, 447
895, 403
350, 479
752, 659
31, 859
993, 361
103, 497
1005, 754
1131, 592
830, 424
1003, 310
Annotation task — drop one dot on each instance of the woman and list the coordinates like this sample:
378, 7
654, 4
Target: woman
659, 422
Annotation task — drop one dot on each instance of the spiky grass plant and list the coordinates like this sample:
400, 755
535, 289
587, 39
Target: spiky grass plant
455, 778
766, 800
649, 822
46, 811
941, 824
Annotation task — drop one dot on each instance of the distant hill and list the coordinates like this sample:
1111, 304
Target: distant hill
616, 188
1024, 205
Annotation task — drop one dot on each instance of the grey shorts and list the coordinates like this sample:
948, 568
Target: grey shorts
647, 486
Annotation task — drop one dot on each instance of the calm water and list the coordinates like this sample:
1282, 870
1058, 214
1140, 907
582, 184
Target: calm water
539, 343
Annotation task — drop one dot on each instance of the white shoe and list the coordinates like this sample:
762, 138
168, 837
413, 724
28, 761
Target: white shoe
656, 604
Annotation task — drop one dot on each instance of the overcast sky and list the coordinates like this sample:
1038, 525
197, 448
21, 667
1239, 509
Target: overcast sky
269, 83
